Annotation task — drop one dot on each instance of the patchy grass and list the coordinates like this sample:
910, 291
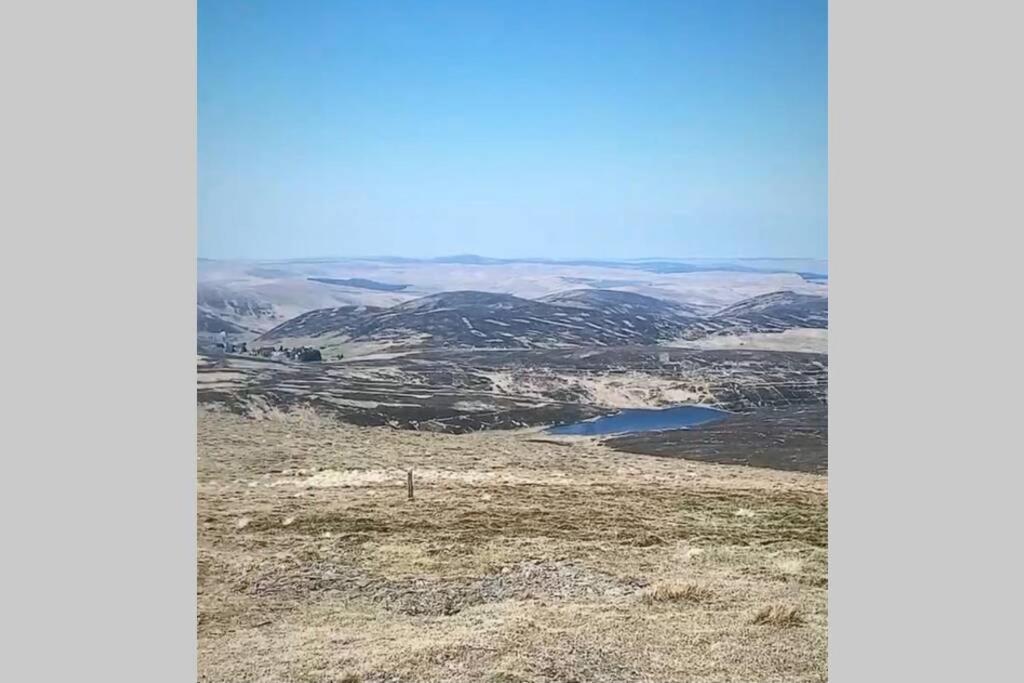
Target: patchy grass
502, 677
646, 540
678, 592
517, 561
779, 615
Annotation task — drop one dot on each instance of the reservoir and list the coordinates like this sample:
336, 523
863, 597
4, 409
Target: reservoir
643, 420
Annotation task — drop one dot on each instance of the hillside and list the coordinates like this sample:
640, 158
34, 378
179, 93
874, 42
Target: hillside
470, 319
622, 302
232, 307
776, 311
340, 321
259, 302
258, 295
209, 323
516, 561
587, 317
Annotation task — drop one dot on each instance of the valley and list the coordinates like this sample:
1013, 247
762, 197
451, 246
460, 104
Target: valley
522, 554
459, 361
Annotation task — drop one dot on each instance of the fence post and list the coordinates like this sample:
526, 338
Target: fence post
408, 483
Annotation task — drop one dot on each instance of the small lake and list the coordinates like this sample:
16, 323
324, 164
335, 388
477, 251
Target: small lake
643, 420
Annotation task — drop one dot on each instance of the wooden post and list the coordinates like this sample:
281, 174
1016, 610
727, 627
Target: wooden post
408, 482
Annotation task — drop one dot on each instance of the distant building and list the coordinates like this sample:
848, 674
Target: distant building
663, 357
307, 355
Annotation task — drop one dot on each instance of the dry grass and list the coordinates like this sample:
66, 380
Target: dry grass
678, 592
517, 561
779, 615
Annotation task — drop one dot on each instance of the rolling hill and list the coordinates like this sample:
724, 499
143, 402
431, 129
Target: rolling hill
776, 311
594, 317
470, 319
615, 301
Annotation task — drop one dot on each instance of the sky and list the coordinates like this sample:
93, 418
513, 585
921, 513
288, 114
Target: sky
569, 129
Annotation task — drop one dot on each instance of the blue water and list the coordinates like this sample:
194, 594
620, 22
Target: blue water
643, 420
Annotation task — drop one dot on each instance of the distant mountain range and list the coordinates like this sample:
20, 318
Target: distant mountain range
812, 268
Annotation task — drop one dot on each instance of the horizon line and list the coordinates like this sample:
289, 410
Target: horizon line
515, 258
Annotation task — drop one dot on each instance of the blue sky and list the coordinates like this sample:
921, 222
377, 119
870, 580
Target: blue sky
513, 129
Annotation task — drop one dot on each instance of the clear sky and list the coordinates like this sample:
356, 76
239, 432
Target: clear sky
559, 129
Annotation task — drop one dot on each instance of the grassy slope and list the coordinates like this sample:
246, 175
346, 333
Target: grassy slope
517, 561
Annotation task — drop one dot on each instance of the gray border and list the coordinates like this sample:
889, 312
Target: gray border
921, 110
99, 148
99, 287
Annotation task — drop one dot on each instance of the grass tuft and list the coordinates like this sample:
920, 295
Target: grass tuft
647, 540
678, 592
779, 615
